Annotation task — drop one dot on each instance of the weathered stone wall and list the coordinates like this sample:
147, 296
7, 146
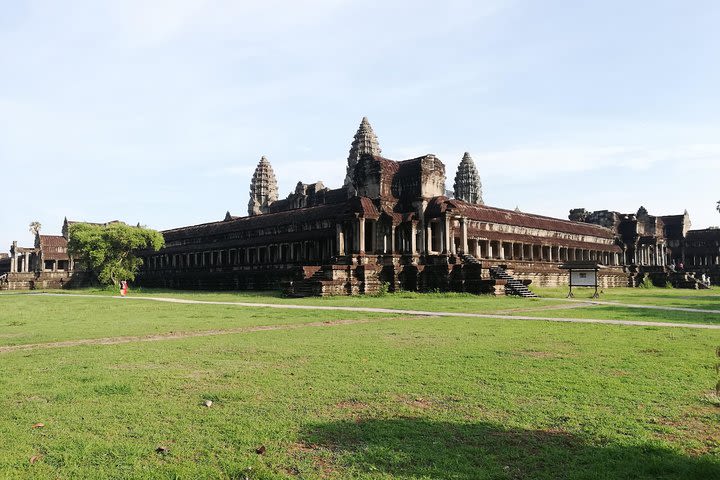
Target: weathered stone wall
35, 281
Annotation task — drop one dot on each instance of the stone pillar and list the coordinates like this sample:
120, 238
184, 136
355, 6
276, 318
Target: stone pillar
501, 250
428, 238
489, 249
446, 247
392, 238
463, 236
13, 258
340, 239
361, 235
413, 238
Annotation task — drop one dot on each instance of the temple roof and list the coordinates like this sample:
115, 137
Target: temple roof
483, 213
53, 247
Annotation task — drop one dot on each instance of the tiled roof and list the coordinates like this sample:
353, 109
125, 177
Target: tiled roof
52, 241
484, 213
297, 216
704, 234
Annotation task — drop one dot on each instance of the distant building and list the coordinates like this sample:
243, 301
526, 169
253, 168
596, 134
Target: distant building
47, 264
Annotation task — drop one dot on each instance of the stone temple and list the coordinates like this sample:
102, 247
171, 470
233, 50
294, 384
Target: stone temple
393, 225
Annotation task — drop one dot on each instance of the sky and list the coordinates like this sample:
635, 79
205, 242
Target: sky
157, 111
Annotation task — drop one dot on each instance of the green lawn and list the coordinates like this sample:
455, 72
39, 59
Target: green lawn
392, 397
545, 306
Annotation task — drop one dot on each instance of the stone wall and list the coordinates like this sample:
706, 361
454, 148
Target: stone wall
36, 281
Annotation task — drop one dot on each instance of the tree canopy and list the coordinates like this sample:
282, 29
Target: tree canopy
35, 228
110, 251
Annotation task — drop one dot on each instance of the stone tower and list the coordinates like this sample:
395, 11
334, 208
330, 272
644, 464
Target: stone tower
263, 188
364, 142
467, 182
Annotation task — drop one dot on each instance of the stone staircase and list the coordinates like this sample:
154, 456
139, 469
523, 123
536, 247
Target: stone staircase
513, 286
309, 287
467, 258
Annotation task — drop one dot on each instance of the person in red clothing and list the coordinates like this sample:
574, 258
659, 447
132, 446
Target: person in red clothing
123, 288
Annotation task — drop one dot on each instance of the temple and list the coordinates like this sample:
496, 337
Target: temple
394, 226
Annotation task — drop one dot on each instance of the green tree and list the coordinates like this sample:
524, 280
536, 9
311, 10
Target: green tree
110, 252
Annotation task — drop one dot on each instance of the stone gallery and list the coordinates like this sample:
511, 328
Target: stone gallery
393, 225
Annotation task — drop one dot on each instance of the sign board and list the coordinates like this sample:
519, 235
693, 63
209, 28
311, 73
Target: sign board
583, 274
583, 278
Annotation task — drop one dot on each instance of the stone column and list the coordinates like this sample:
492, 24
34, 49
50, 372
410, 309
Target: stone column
361, 235
428, 238
413, 238
393, 229
489, 249
463, 236
13, 257
446, 247
340, 239
501, 250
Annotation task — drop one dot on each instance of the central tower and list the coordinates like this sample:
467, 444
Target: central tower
364, 142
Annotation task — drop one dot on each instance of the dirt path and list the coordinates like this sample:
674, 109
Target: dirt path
511, 311
178, 335
417, 312
635, 305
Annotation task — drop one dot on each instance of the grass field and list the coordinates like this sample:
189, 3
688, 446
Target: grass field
331, 394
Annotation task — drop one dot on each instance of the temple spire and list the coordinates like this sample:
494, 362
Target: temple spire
263, 188
468, 187
364, 142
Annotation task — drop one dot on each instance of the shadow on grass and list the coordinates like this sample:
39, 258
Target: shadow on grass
419, 448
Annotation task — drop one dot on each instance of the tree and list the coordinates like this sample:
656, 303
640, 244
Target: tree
35, 228
718, 206
110, 251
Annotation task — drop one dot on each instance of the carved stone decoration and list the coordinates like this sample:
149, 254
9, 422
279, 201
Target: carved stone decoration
467, 182
364, 142
263, 188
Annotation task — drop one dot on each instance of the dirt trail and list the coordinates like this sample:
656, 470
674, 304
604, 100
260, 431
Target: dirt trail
178, 335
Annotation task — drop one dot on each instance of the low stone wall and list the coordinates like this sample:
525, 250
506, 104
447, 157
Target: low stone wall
36, 281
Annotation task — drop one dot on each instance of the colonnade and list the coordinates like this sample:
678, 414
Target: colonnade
371, 236
651, 255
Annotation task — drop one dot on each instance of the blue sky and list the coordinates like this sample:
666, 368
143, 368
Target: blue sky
158, 111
